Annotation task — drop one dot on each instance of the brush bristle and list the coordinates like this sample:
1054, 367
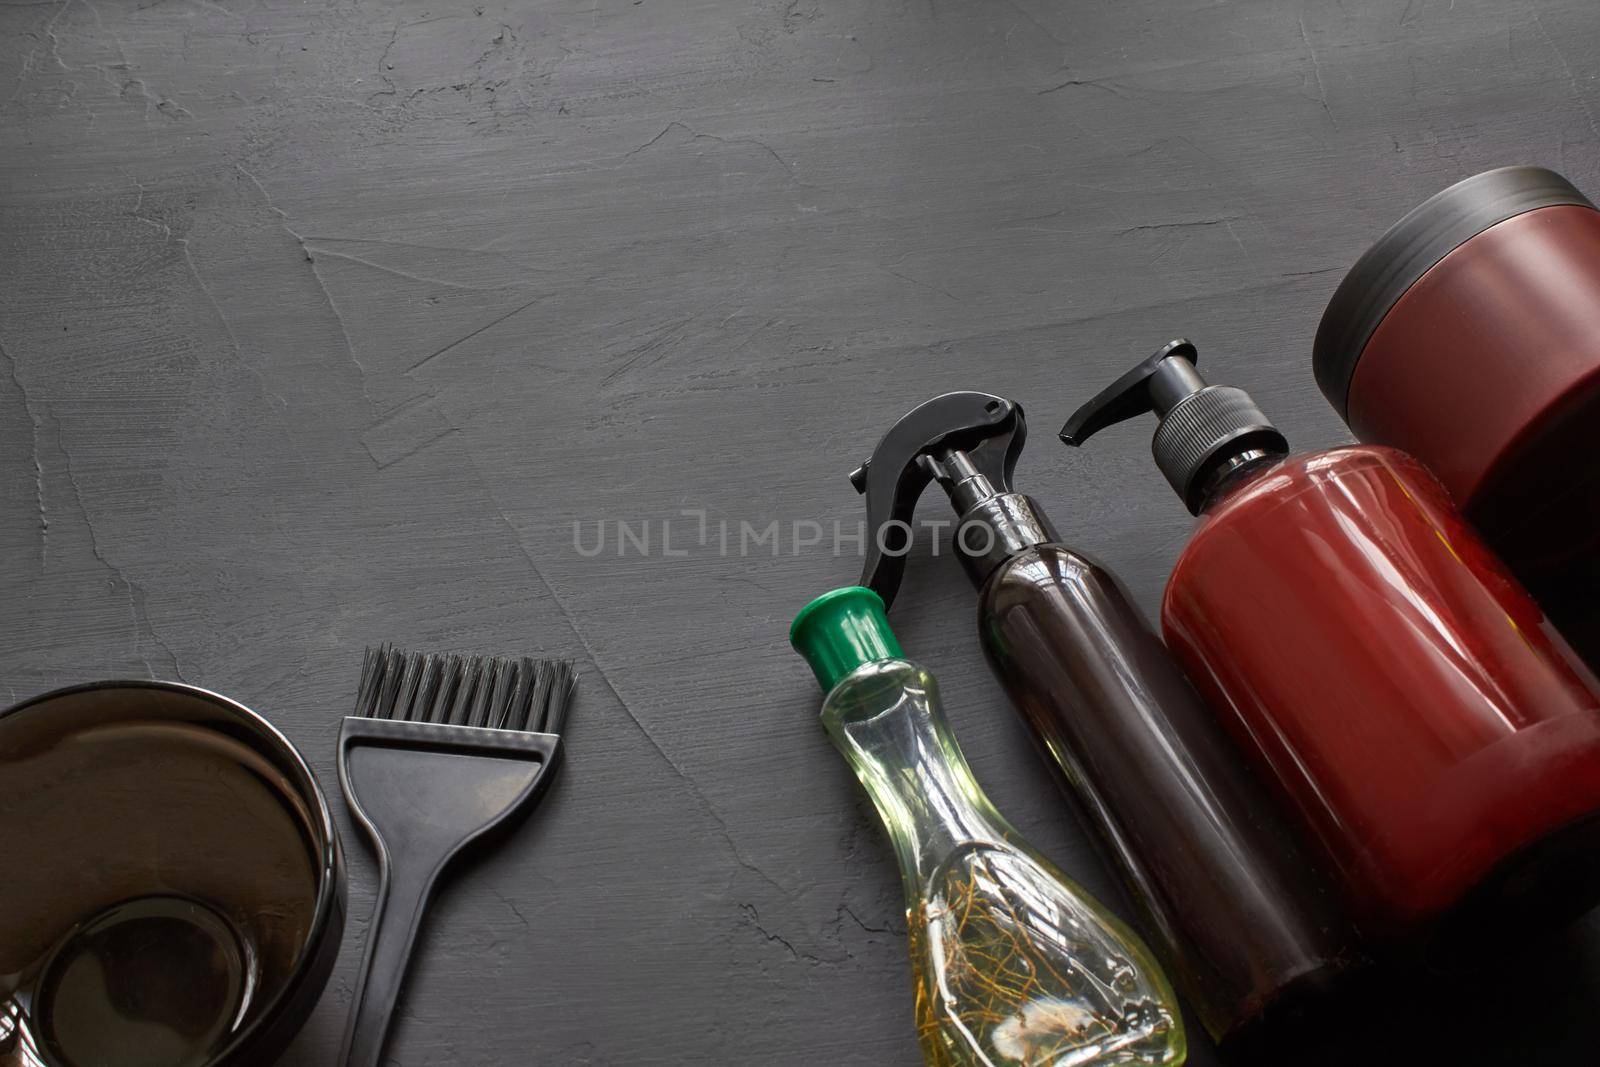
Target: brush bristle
494, 692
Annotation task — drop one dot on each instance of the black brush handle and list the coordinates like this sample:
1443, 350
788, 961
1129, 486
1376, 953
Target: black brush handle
423, 792
396, 918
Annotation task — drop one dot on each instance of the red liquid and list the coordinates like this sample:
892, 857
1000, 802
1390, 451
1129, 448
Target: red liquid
1399, 687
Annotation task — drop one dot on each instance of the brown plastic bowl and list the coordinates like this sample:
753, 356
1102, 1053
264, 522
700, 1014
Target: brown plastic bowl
174, 891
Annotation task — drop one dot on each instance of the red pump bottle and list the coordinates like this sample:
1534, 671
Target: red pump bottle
1387, 676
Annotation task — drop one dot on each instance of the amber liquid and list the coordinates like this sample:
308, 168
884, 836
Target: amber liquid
159, 887
1242, 919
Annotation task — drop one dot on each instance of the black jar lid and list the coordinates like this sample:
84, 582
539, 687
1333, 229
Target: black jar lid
1411, 248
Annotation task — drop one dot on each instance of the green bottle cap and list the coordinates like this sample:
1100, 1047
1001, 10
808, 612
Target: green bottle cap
841, 630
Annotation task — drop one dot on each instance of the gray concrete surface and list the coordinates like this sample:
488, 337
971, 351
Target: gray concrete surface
323, 324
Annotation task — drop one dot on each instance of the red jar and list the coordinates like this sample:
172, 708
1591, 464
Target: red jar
1469, 336
1402, 691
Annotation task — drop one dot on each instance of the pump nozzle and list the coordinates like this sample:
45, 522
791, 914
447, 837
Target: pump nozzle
968, 441
1133, 394
1203, 427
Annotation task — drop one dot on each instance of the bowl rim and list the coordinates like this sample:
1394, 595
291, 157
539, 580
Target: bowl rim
326, 913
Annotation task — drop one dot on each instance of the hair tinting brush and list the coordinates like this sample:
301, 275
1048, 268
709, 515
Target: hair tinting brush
442, 751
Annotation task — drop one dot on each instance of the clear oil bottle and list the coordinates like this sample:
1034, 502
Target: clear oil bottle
1013, 963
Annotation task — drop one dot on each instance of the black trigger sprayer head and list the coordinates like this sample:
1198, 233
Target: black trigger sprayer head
968, 442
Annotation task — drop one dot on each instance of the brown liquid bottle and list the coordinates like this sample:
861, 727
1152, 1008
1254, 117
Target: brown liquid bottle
1242, 921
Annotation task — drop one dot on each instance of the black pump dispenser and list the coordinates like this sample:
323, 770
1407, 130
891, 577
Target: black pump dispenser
969, 443
1205, 430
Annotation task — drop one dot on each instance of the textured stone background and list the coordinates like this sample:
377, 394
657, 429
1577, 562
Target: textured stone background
323, 323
